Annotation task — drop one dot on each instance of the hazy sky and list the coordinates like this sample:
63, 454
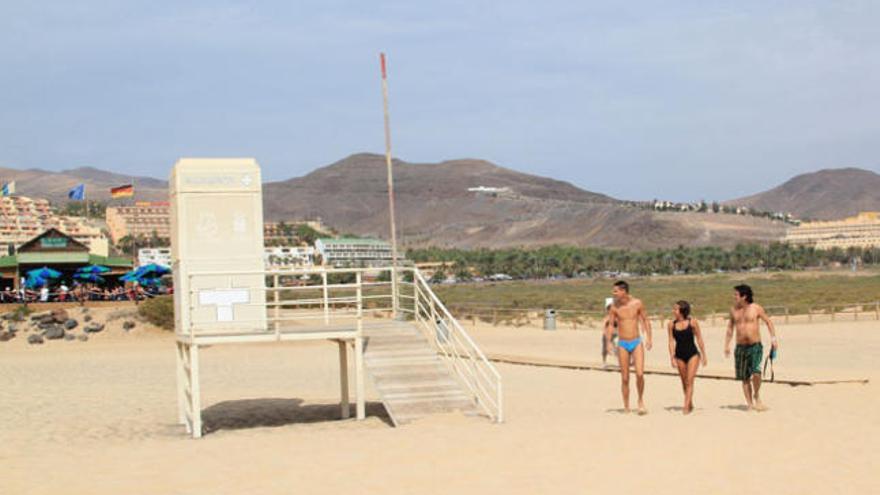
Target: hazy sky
638, 99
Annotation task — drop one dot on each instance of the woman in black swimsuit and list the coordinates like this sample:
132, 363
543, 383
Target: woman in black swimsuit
683, 354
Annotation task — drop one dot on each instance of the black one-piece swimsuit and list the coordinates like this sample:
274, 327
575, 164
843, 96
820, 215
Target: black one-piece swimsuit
685, 348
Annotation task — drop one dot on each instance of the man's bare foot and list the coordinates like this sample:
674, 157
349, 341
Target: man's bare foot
760, 407
642, 410
687, 410
626, 410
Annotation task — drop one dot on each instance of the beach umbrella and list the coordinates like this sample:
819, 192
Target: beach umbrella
130, 277
35, 281
95, 269
44, 273
152, 270
89, 277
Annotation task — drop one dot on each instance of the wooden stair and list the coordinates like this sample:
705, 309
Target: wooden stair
410, 376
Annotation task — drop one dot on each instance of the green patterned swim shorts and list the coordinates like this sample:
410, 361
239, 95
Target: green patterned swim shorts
748, 360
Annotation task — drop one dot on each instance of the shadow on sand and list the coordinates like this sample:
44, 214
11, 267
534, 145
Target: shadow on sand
255, 413
736, 407
618, 410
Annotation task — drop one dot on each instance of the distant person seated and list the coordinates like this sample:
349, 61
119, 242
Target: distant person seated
8, 295
62, 293
95, 294
30, 295
77, 293
44, 294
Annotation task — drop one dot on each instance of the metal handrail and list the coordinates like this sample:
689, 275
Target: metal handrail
458, 349
350, 299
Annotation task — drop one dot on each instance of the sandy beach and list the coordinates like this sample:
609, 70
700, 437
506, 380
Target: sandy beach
99, 417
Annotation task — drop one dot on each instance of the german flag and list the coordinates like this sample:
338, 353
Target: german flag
125, 191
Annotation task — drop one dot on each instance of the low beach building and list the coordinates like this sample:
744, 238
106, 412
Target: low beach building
59, 251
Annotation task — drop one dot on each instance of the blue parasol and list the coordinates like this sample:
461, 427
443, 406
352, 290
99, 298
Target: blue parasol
34, 282
44, 273
89, 277
152, 270
93, 269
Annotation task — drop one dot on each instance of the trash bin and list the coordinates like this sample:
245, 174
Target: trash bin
550, 319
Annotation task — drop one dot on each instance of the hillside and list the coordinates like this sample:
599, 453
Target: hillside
55, 185
824, 195
434, 207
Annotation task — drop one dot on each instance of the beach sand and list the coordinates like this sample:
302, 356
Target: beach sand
99, 417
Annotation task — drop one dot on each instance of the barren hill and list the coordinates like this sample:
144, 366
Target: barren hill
823, 195
434, 207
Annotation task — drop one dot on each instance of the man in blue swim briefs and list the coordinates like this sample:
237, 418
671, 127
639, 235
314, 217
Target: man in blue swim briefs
628, 314
746, 317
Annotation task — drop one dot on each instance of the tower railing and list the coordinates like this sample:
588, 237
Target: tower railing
317, 301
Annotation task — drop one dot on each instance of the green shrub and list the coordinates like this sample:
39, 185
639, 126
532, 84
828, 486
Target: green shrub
159, 311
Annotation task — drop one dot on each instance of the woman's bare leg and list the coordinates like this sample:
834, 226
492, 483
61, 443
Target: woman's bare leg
692, 366
682, 373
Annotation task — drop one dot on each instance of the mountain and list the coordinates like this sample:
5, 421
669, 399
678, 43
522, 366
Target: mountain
104, 177
54, 185
824, 195
434, 207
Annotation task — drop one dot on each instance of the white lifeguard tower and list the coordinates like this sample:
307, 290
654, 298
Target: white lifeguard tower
421, 362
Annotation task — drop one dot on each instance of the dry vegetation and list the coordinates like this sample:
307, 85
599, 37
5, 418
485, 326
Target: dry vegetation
799, 292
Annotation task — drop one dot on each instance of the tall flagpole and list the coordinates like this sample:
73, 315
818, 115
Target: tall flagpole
134, 243
394, 302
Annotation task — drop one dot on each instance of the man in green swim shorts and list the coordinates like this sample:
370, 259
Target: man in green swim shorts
746, 316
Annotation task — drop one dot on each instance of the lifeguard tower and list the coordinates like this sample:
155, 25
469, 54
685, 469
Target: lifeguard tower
420, 359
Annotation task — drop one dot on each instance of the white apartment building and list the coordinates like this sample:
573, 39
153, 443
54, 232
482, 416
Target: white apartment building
159, 256
353, 251
23, 218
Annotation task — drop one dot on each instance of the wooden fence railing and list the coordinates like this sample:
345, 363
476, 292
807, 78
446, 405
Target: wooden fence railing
519, 316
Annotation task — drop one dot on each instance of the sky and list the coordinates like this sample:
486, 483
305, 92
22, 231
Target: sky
639, 99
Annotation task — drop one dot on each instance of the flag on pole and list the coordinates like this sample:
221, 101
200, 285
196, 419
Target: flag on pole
8, 189
125, 191
78, 193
